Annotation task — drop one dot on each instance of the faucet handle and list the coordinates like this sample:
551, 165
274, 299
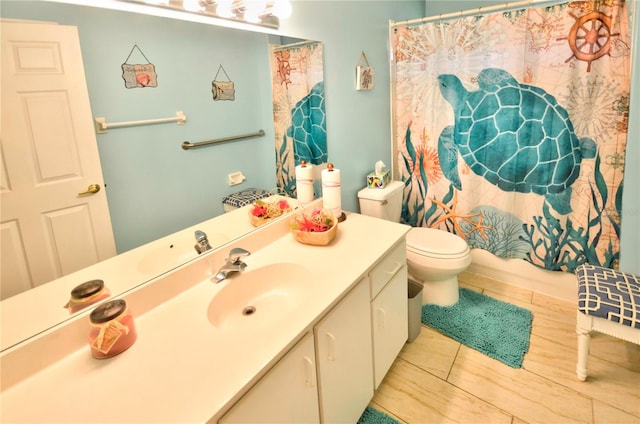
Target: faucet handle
236, 253
200, 235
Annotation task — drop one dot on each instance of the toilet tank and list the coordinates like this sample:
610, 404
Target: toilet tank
385, 203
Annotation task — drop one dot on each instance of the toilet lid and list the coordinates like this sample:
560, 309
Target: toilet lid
438, 242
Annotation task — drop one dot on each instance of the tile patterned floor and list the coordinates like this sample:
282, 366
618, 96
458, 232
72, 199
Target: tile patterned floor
438, 380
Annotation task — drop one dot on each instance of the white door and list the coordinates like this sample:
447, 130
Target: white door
48, 155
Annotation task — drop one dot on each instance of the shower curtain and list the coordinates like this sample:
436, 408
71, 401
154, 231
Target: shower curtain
510, 129
298, 110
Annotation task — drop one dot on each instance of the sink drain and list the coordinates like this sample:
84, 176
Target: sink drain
249, 310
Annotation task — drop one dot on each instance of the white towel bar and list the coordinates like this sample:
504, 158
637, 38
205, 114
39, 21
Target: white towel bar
102, 126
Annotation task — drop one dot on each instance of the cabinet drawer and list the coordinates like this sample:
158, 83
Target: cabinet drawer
387, 268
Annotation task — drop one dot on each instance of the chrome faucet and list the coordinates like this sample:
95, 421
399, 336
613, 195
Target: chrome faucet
232, 264
202, 242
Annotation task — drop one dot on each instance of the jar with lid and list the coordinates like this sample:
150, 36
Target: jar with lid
112, 329
86, 294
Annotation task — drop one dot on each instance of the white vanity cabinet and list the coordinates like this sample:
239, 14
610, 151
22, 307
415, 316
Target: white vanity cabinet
349, 353
389, 310
286, 394
343, 347
316, 363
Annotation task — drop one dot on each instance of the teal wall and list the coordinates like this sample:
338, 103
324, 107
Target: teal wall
185, 187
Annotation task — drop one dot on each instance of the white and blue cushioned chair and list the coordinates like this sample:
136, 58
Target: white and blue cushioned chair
609, 303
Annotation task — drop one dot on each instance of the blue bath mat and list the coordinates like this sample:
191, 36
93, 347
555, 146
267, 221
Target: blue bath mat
373, 416
498, 329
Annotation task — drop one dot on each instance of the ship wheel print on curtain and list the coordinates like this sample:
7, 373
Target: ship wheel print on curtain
590, 37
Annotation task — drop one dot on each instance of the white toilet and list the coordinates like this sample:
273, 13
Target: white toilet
434, 257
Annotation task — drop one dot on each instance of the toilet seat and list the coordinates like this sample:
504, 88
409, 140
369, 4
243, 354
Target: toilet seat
436, 243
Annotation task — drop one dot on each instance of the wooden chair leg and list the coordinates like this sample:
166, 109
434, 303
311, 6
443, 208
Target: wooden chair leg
584, 339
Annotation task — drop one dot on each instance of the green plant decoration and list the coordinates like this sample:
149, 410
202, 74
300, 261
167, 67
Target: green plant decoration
286, 182
414, 216
565, 249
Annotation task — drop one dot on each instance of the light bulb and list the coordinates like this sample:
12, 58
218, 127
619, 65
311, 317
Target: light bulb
281, 9
254, 9
252, 17
192, 6
224, 8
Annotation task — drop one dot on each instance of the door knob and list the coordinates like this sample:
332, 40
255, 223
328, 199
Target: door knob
92, 189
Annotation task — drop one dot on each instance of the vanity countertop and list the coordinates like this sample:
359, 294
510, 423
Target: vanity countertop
182, 368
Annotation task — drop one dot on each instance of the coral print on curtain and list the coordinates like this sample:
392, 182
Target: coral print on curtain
298, 110
511, 128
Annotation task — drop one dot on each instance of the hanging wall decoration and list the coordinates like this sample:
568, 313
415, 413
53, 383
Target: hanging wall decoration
223, 90
139, 75
364, 74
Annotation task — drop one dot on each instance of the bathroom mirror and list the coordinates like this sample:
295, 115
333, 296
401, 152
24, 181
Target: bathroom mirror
133, 192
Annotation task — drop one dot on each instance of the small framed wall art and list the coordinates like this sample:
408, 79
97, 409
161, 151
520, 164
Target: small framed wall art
139, 75
223, 90
364, 74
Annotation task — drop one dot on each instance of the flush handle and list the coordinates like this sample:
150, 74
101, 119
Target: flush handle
92, 189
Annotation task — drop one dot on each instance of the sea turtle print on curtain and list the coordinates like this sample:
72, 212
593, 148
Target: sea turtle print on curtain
308, 128
510, 130
516, 136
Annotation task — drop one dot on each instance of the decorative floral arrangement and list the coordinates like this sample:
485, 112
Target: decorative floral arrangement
317, 228
318, 221
262, 211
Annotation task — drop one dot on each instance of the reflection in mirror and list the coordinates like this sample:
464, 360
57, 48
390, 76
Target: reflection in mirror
47, 303
144, 260
55, 216
299, 110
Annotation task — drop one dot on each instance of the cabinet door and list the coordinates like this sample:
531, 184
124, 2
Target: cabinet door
345, 366
389, 316
286, 394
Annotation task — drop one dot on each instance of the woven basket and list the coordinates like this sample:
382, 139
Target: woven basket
257, 221
317, 238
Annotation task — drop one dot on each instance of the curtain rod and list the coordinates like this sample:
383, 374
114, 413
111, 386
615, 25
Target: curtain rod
297, 44
478, 11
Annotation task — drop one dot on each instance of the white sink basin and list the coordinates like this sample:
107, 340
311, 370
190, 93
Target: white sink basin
260, 297
173, 252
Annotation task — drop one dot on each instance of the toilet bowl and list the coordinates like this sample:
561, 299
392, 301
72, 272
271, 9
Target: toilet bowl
434, 257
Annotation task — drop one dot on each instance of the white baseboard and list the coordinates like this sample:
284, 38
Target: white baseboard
520, 273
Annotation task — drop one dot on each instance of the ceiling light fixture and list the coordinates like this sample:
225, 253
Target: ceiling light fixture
261, 12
